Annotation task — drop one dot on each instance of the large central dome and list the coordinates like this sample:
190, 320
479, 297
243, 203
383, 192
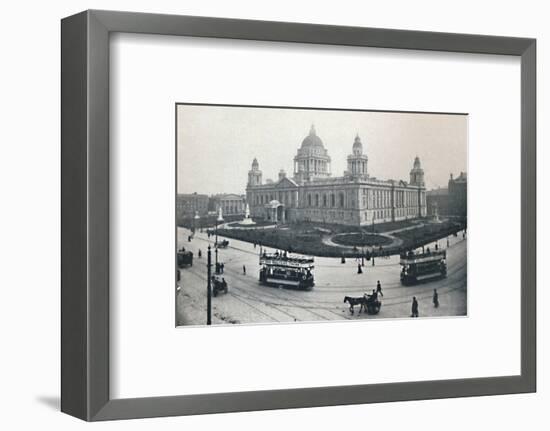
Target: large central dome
312, 140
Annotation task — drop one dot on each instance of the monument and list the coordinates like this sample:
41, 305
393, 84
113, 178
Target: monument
435, 213
247, 220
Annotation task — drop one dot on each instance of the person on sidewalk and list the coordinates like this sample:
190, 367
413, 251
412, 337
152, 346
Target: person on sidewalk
379, 288
414, 308
435, 299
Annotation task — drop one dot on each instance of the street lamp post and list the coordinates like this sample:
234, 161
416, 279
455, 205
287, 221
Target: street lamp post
218, 220
373, 217
209, 288
362, 247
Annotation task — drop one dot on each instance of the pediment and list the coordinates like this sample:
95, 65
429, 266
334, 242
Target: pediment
286, 183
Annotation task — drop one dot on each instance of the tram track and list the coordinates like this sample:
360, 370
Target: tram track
244, 296
268, 298
277, 305
391, 286
291, 296
276, 302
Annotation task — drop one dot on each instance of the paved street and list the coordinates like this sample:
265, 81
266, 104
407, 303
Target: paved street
249, 302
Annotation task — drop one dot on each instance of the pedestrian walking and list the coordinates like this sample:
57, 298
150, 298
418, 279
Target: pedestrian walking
244, 270
200, 253
436, 299
359, 269
414, 308
222, 267
379, 288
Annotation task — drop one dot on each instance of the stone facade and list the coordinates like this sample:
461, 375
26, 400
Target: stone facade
439, 197
230, 204
352, 199
188, 205
453, 200
458, 195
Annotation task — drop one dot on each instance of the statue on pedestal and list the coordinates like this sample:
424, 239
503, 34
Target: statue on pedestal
247, 220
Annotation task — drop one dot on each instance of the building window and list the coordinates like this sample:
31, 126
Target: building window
316, 200
332, 200
341, 200
309, 200
324, 200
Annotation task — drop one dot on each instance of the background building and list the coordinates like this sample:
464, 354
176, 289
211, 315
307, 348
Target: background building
353, 199
440, 197
187, 205
453, 200
458, 195
231, 204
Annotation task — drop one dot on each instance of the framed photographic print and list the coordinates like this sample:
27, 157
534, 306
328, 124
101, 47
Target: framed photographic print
304, 214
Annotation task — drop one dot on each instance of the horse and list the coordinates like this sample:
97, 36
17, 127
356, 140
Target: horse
352, 301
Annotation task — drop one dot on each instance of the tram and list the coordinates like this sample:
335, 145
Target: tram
418, 268
287, 270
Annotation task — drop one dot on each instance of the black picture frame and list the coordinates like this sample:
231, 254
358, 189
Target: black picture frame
85, 214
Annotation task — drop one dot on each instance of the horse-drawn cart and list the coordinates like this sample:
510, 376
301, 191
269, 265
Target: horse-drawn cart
218, 285
369, 303
221, 244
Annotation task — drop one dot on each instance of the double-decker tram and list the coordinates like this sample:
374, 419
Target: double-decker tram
417, 268
287, 270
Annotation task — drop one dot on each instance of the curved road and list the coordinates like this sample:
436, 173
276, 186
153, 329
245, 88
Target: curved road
249, 302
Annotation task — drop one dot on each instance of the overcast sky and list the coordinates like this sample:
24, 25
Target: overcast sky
216, 145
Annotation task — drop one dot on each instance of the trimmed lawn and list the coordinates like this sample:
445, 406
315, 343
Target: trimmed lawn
361, 239
306, 238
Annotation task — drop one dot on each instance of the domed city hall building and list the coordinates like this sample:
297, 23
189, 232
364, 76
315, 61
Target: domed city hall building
355, 198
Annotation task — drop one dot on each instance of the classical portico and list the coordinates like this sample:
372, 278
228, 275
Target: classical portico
275, 211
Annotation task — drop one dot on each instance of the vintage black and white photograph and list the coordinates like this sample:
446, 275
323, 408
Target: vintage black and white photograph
306, 215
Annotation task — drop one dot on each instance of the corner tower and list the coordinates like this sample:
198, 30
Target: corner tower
255, 175
357, 161
417, 173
